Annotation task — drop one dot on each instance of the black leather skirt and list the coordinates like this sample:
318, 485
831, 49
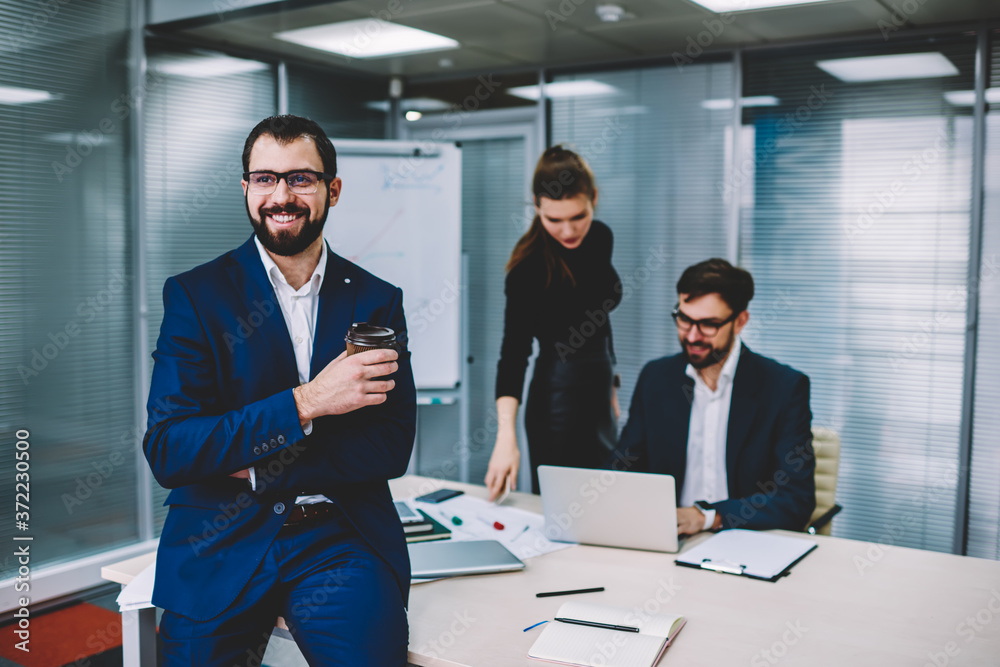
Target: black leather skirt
568, 415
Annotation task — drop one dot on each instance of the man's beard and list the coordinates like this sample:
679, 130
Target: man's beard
714, 356
287, 242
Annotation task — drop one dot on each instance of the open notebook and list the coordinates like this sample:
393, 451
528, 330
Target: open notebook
569, 644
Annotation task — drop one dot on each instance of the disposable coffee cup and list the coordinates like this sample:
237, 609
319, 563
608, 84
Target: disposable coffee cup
362, 337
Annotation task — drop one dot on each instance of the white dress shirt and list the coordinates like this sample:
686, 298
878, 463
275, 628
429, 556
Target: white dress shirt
705, 475
299, 308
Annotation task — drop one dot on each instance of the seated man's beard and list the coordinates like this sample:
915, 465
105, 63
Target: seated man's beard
714, 356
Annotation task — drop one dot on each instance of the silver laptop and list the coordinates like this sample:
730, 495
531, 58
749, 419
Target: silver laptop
634, 510
452, 559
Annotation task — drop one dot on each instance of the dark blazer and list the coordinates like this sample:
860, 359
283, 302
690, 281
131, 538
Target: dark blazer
769, 456
221, 400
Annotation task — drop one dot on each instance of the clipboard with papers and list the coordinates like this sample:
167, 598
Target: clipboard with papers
748, 553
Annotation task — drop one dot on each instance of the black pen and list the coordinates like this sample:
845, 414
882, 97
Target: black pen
592, 624
574, 592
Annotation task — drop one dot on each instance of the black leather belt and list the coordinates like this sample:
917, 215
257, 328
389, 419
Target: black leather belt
302, 514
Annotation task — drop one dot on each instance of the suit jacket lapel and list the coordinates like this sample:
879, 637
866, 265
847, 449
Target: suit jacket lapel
678, 423
247, 272
335, 314
743, 406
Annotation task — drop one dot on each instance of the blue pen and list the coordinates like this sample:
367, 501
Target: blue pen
534, 626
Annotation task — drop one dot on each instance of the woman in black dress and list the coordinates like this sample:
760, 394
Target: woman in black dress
560, 289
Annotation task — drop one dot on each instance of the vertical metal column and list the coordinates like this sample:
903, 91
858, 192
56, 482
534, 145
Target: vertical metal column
736, 192
972, 305
140, 314
281, 90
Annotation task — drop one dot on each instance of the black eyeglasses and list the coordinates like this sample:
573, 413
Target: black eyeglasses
706, 327
301, 182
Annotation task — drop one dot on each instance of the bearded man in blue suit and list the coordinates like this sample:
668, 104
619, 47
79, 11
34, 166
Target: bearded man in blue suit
731, 426
277, 445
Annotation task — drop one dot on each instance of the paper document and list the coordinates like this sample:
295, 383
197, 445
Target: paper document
523, 532
139, 593
747, 552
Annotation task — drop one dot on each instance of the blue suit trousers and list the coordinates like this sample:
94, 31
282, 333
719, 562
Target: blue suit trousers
340, 600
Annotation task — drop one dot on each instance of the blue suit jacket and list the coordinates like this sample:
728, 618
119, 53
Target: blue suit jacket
221, 401
769, 456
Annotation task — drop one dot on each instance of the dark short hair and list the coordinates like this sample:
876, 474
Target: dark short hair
286, 129
717, 276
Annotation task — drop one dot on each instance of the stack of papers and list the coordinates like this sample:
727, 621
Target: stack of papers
139, 593
522, 533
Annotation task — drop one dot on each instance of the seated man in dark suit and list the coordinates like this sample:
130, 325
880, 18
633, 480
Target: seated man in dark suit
731, 426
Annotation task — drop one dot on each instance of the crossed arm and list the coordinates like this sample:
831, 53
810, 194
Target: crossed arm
363, 428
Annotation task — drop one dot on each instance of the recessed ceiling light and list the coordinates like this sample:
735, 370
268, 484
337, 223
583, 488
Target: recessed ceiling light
203, 67
367, 38
966, 98
413, 115
889, 68
727, 102
12, 95
421, 104
609, 13
559, 89
728, 6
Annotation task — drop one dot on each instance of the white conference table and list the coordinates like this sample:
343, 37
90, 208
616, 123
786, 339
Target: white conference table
847, 603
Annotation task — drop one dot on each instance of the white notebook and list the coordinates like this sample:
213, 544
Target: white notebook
570, 644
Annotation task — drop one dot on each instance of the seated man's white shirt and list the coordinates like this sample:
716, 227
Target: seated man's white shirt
705, 475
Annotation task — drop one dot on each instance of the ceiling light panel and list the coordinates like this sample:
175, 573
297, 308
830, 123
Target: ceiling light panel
367, 38
563, 89
889, 68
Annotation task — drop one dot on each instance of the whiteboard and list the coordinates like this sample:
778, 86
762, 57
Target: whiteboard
400, 217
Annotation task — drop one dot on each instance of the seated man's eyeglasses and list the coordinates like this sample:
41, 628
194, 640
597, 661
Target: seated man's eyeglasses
707, 327
302, 182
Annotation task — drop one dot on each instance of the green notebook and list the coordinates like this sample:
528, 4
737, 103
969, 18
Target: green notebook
426, 530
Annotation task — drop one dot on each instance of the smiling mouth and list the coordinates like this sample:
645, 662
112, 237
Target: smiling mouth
284, 218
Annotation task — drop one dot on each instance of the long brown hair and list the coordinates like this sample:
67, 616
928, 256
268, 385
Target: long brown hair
560, 174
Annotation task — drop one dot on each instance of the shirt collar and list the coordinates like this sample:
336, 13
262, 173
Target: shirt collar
275, 275
728, 368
